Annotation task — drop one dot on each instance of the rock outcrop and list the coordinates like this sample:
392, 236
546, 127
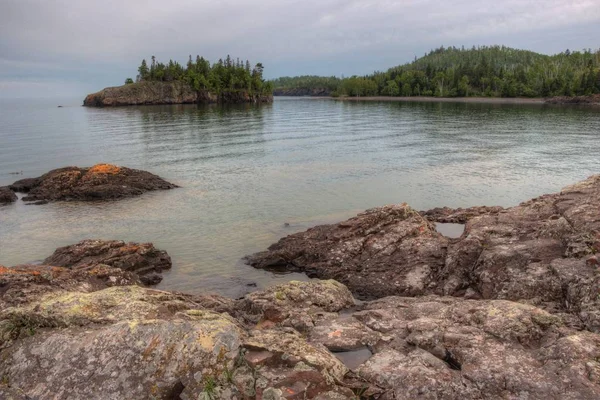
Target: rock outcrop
288, 342
544, 252
508, 310
176, 92
7, 195
100, 182
141, 258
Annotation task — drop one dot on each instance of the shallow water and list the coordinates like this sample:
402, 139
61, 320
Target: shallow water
450, 230
247, 171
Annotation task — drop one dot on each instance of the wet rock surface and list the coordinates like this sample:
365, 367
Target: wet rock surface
141, 258
100, 182
7, 195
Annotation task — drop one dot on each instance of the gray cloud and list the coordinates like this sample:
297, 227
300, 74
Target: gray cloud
90, 44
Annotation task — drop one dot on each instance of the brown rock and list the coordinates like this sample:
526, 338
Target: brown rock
383, 251
100, 182
458, 215
141, 258
524, 253
27, 283
7, 195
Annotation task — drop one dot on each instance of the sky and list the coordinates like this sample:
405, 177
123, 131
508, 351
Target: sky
61, 48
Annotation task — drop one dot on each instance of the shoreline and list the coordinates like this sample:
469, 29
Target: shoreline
418, 99
488, 100
472, 100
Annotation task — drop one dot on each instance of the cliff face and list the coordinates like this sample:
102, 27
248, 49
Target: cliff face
145, 93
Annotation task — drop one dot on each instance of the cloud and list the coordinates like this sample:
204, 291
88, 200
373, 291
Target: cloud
103, 42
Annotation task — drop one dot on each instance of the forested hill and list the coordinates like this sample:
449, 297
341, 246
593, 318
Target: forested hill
495, 71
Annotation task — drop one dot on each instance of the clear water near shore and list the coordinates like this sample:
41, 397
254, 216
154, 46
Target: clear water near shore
246, 171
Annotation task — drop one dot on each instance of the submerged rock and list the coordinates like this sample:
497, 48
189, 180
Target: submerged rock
7, 195
100, 182
142, 258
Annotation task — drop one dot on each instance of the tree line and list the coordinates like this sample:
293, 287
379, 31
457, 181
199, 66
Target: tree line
224, 75
494, 71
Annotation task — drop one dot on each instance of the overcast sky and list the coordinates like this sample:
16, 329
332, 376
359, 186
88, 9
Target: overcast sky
72, 47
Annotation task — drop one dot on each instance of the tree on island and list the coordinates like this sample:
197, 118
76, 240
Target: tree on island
222, 76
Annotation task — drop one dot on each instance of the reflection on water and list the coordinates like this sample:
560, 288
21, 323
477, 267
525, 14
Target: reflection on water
247, 170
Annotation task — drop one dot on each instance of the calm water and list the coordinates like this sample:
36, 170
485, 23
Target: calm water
246, 171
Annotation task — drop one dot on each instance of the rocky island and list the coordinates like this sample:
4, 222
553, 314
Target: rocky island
510, 309
100, 182
226, 82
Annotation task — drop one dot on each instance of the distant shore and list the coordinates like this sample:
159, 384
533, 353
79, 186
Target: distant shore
593, 100
490, 100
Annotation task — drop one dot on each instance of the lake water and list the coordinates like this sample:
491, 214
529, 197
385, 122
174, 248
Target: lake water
246, 171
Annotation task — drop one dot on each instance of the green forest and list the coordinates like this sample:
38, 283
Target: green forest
493, 71
227, 75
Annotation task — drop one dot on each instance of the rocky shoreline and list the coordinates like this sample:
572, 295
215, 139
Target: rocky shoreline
176, 92
510, 309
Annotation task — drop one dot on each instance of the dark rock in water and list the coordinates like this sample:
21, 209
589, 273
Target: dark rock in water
100, 182
7, 195
383, 251
24, 185
141, 258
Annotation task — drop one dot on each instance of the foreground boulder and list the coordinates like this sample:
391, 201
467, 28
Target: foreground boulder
7, 195
100, 182
141, 258
545, 251
136, 343
288, 342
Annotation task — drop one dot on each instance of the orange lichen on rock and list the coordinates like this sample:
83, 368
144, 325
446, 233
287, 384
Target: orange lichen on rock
129, 248
104, 169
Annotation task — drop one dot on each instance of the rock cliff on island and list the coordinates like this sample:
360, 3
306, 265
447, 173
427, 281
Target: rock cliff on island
176, 92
